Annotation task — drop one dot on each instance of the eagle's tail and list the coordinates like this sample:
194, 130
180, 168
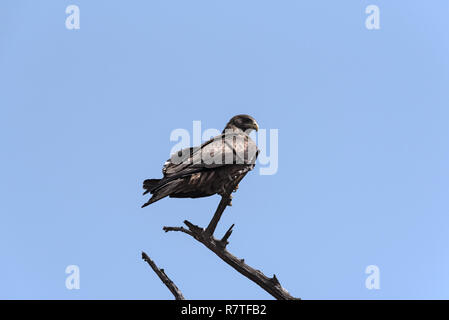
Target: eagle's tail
158, 189
150, 184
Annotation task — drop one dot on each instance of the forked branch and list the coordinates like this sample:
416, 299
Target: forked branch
206, 237
270, 285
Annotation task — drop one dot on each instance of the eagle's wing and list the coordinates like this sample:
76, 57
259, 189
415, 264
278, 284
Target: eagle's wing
198, 164
229, 148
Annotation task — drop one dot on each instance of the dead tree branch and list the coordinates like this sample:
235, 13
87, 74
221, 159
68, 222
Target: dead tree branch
164, 278
206, 237
225, 201
271, 285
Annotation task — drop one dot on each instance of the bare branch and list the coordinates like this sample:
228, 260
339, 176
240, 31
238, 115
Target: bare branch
164, 278
206, 237
181, 229
271, 285
226, 199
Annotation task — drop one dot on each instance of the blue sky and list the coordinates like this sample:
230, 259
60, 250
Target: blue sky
363, 178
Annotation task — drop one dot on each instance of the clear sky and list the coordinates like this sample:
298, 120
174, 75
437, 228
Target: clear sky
363, 177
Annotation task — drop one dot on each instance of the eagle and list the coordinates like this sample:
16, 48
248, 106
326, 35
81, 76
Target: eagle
216, 166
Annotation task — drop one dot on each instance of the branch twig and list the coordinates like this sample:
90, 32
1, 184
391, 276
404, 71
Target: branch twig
225, 201
164, 278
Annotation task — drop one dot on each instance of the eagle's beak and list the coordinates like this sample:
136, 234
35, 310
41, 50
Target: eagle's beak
255, 126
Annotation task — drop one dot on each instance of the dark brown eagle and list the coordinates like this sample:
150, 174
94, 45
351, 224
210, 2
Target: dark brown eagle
210, 168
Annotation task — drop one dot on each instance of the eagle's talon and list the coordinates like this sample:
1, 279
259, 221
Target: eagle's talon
230, 200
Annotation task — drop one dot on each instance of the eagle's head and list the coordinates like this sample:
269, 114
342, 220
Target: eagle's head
243, 122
